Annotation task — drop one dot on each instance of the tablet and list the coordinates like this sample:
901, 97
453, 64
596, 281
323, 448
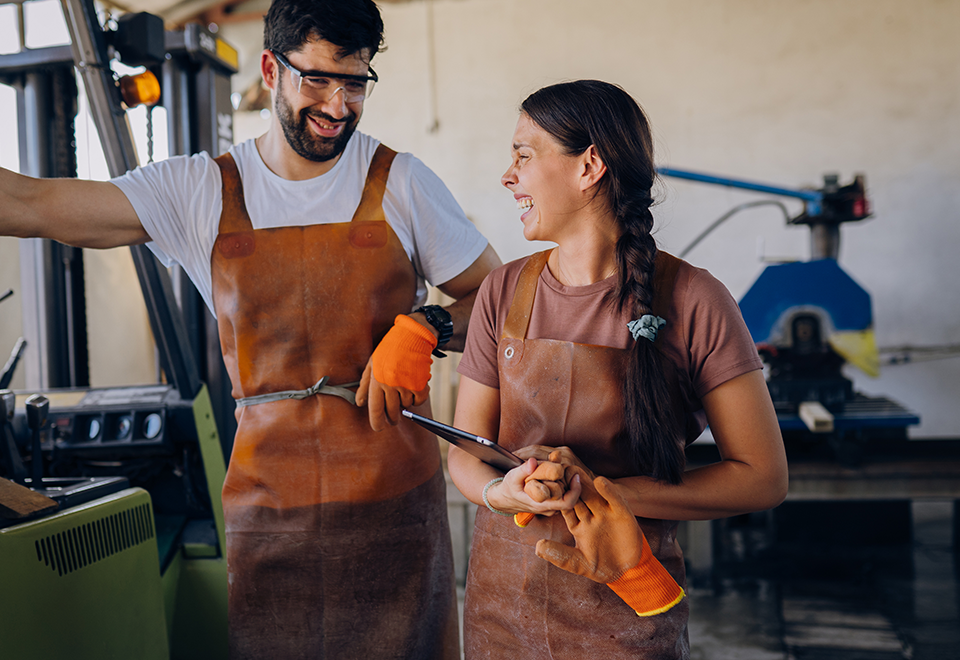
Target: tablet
487, 451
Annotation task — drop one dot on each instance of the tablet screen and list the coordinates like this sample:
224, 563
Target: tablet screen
486, 450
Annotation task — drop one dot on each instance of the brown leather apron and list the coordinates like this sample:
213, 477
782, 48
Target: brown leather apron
337, 537
560, 393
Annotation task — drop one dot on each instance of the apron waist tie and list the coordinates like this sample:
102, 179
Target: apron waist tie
320, 387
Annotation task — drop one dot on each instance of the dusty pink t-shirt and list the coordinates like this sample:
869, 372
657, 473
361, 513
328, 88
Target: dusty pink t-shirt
705, 336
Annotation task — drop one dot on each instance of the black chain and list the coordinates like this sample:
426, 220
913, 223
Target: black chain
149, 134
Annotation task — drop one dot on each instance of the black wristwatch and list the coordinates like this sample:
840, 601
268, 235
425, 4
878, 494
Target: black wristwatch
440, 319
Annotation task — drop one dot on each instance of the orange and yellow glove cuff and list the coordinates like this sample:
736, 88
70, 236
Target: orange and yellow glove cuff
523, 519
647, 587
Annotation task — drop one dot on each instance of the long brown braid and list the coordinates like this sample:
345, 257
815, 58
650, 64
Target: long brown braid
579, 114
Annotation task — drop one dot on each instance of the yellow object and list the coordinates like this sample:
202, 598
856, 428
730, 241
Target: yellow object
859, 348
140, 89
523, 519
228, 53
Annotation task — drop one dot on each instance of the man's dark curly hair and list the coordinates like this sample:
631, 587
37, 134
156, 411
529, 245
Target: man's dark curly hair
352, 25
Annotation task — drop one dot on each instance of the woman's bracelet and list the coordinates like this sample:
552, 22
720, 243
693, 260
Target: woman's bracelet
493, 482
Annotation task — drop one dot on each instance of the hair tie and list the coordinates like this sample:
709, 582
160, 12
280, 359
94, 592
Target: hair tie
646, 326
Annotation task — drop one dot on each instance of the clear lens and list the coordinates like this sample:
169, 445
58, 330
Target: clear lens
324, 89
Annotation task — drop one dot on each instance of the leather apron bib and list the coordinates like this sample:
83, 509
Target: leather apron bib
561, 393
337, 537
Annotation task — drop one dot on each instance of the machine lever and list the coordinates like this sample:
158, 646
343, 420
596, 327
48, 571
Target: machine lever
7, 375
37, 408
9, 454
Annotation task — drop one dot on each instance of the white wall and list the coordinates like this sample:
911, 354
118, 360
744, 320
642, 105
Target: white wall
771, 91
775, 92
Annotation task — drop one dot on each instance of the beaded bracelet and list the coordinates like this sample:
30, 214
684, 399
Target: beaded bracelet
493, 482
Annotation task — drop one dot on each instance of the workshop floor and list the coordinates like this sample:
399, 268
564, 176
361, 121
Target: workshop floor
828, 598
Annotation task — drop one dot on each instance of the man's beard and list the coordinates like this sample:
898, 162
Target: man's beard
304, 141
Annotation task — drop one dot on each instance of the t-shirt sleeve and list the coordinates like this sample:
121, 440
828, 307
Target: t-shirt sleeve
720, 345
178, 201
445, 242
479, 362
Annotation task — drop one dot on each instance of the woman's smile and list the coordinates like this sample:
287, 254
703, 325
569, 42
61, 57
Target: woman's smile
525, 204
542, 179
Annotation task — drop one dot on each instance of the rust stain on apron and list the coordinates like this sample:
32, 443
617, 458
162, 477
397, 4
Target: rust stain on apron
337, 537
562, 393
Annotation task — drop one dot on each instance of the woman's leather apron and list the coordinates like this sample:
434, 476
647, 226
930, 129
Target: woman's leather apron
560, 393
337, 537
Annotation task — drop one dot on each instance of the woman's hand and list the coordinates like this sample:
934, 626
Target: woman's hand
510, 495
562, 455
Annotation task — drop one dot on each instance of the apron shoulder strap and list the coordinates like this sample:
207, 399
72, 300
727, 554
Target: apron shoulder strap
370, 208
518, 318
233, 217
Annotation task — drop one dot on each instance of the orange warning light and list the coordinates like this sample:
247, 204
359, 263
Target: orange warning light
141, 89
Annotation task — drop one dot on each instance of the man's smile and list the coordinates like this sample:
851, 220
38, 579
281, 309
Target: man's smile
325, 127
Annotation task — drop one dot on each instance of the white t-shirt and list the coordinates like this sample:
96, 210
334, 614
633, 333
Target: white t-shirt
178, 201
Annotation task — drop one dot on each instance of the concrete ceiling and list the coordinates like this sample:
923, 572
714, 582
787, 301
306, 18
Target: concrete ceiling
178, 12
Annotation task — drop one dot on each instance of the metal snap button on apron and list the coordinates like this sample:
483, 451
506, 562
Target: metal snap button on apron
508, 352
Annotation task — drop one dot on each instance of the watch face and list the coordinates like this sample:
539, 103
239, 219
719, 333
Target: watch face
440, 319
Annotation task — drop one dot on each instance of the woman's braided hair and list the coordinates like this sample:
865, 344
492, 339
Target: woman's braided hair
590, 112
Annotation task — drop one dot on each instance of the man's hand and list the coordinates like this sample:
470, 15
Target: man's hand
384, 402
610, 548
397, 373
608, 539
546, 483
402, 358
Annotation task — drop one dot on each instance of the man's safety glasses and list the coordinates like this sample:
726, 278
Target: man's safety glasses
323, 86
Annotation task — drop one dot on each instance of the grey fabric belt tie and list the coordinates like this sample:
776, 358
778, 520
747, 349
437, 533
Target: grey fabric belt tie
320, 387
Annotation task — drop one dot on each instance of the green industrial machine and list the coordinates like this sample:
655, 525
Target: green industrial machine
128, 566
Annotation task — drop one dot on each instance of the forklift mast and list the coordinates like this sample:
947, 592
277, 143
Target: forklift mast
133, 550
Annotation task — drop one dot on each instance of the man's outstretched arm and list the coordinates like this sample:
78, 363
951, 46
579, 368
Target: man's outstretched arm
91, 214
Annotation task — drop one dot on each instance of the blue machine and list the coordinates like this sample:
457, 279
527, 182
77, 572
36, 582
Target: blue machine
811, 318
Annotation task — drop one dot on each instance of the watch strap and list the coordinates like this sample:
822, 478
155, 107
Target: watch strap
441, 320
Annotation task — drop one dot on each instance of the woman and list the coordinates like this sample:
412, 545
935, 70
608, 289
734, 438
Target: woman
606, 355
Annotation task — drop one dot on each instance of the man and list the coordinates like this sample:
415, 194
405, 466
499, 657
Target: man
311, 245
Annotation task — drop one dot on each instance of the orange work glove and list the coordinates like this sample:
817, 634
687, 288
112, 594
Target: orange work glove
402, 359
611, 548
